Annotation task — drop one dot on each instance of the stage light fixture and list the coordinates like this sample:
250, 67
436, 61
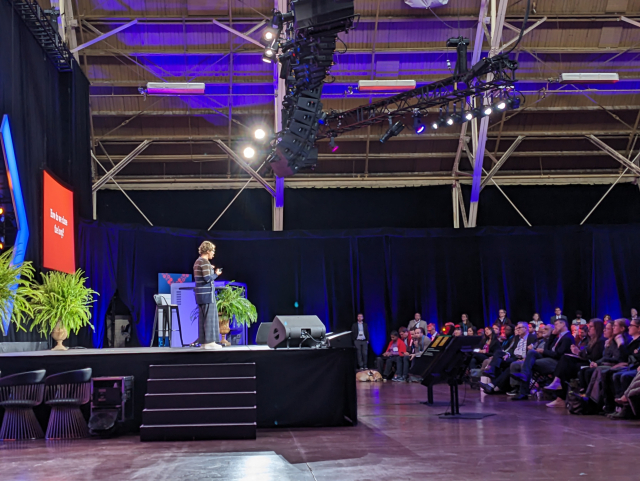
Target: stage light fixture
249, 152
487, 111
450, 121
394, 130
323, 118
513, 103
501, 105
435, 126
259, 134
332, 144
468, 115
418, 126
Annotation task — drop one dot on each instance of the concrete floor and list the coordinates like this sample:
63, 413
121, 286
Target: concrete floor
397, 438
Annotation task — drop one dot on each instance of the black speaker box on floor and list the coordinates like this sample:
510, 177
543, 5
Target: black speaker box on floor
296, 331
263, 333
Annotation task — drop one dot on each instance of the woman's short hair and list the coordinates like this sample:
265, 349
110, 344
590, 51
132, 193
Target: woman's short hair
205, 247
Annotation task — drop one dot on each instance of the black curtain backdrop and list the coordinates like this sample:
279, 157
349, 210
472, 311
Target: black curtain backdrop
388, 274
49, 117
414, 207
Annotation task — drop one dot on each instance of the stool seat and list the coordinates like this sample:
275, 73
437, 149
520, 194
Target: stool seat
65, 393
19, 393
167, 310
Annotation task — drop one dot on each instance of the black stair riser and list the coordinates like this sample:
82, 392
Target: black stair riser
202, 370
156, 386
204, 400
188, 433
198, 416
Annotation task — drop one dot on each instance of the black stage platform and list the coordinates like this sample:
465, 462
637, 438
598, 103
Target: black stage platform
295, 387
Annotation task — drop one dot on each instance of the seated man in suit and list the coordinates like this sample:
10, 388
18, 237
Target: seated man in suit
419, 344
546, 359
499, 368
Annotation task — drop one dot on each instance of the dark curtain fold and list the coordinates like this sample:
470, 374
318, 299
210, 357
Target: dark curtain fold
387, 274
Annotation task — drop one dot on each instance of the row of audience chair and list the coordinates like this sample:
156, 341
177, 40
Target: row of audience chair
64, 393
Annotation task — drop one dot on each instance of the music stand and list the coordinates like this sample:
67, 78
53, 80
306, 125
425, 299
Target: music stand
450, 357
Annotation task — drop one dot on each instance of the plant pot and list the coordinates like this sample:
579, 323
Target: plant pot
59, 334
224, 329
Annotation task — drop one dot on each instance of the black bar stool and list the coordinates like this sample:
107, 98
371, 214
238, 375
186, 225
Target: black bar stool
167, 316
65, 393
19, 393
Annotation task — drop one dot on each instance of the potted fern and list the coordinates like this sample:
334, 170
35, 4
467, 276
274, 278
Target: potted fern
232, 303
61, 305
15, 291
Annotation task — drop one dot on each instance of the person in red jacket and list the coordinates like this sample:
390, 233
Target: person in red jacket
394, 354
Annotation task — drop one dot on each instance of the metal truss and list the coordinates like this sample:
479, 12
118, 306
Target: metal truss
40, 26
435, 94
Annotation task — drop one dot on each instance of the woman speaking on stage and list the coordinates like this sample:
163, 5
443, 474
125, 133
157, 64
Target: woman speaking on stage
204, 274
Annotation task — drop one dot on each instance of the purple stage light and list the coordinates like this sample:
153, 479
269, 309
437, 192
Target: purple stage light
335, 148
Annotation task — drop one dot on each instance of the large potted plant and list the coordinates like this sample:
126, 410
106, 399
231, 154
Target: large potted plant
15, 291
61, 305
232, 303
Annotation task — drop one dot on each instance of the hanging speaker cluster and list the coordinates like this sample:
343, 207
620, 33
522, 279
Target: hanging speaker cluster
306, 58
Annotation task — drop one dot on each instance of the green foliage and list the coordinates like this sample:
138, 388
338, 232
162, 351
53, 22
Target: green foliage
231, 302
62, 297
21, 277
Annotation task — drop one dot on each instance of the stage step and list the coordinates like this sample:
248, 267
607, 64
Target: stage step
198, 416
201, 371
216, 384
200, 401
193, 432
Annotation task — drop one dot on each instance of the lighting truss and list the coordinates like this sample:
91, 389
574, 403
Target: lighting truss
455, 89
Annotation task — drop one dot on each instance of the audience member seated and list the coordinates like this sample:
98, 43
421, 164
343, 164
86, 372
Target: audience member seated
419, 344
457, 330
532, 327
465, 325
404, 337
544, 334
393, 355
620, 374
488, 345
610, 357
432, 332
619, 336
537, 320
499, 368
570, 364
471, 331
631, 397
582, 336
578, 320
544, 361
502, 318
607, 319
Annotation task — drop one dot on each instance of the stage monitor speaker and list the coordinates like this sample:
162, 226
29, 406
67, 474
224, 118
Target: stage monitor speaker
296, 331
263, 333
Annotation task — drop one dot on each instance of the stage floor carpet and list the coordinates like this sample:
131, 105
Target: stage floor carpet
396, 438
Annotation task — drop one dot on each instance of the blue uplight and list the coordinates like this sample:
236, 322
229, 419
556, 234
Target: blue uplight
22, 237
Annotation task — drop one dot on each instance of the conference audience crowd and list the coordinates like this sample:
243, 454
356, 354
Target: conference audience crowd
585, 366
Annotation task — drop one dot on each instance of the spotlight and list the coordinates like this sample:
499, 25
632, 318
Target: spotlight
435, 125
259, 134
418, 126
450, 121
513, 103
323, 118
394, 130
268, 54
487, 111
468, 115
249, 153
332, 144
501, 105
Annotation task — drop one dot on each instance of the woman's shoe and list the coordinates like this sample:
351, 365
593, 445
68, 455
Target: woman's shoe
556, 385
